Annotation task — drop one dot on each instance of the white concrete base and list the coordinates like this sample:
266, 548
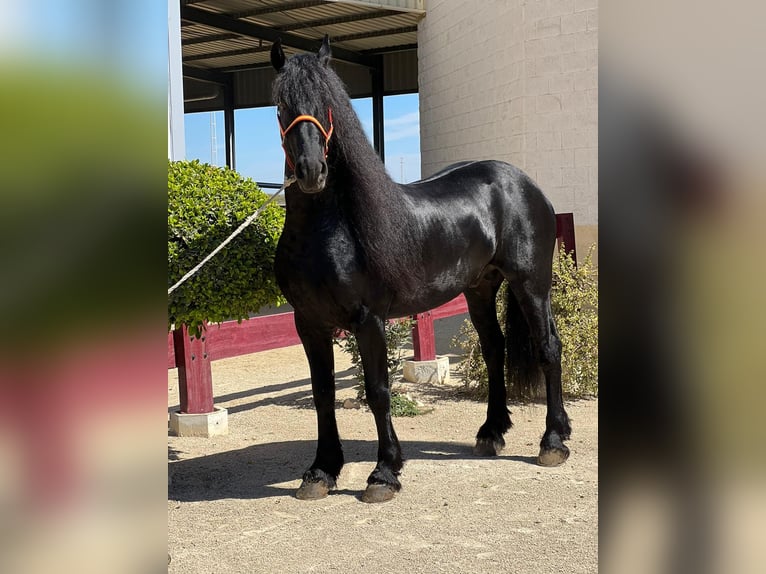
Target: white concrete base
435, 372
204, 425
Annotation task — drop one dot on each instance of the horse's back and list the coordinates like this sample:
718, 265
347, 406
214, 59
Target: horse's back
505, 186
499, 172
443, 172
504, 201
469, 218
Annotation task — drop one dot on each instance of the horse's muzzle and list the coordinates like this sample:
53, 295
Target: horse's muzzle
311, 174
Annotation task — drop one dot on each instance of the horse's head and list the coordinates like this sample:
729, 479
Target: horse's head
304, 114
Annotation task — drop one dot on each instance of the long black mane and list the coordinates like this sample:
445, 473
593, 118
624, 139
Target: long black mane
373, 202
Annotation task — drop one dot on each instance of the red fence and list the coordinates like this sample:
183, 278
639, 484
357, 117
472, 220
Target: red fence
192, 356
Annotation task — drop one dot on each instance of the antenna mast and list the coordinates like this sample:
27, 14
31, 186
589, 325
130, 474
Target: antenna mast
213, 140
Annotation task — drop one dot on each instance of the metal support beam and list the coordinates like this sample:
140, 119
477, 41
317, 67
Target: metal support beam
392, 49
375, 34
228, 123
337, 20
208, 38
377, 108
239, 52
176, 144
270, 34
281, 7
205, 75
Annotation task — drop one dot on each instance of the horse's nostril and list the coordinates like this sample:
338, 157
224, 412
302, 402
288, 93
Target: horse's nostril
310, 170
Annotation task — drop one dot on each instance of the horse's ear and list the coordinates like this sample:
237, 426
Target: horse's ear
324, 51
277, 55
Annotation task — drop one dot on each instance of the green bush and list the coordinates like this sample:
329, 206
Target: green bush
398, 332
205, 204
574, 301
403, 406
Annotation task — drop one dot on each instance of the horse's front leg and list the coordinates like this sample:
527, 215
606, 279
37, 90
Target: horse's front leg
324, 471
383, 483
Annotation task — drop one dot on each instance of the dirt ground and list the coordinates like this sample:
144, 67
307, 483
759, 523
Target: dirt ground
231, 504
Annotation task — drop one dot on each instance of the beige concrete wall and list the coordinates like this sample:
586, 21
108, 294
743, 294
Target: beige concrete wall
514, 80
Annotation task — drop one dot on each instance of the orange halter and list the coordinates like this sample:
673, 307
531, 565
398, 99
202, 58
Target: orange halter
327, 134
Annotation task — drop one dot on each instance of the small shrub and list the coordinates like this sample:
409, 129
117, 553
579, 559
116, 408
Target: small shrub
398, 332
574, 302
472, 368
205, 204
403, 406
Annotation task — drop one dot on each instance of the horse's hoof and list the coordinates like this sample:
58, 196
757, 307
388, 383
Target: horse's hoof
378, 493
312, 490
553, 456
487, 447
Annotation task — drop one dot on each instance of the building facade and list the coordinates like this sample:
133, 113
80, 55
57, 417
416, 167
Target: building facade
515, 80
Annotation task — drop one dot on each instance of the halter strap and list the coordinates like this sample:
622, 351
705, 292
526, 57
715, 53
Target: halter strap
311, 119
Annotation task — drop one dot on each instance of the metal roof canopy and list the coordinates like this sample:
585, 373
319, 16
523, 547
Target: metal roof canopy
226, 45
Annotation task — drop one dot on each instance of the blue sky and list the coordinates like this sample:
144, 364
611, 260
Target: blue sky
259, 153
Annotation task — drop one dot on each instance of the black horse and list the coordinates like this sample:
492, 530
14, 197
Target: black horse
358, 248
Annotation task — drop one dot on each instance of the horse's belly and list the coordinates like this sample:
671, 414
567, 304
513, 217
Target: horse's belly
435, 292
403, 308
441, 286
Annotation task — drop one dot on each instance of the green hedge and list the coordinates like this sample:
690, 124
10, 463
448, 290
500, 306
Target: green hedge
574, 302
205, 204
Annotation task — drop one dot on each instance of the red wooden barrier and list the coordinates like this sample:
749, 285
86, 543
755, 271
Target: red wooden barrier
457, 306
195, 380
423, 337
232, 339
192, 356
565, 233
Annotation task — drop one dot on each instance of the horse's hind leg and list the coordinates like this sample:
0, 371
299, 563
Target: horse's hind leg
324, 471
483, 312
533, 297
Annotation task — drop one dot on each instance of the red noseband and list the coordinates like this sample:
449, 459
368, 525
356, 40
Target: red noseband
311, 119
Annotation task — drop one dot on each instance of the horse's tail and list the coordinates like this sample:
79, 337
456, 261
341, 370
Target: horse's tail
525, 376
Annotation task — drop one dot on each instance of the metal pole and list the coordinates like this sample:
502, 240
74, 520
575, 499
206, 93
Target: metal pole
377, 108
228, 122
176, 150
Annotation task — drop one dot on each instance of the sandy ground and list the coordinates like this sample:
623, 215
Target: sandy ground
231, 504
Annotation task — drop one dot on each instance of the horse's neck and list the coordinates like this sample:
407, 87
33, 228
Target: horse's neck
369, 192
383, 224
